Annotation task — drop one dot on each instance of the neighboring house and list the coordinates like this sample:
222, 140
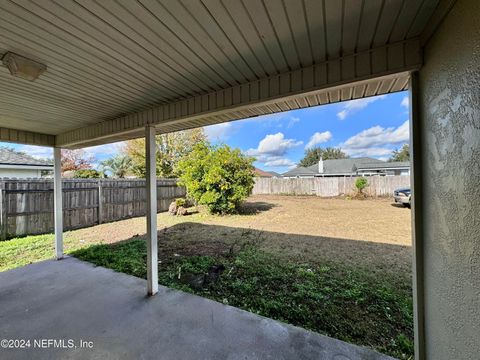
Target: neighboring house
385, 168
260, 173
301, 172
18, 165
363, 166
274, 174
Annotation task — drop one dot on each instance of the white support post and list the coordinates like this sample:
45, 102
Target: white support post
57, 196
151, 195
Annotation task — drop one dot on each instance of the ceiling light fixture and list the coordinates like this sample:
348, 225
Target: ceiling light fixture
23, 67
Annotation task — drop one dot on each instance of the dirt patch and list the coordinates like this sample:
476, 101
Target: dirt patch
373, 233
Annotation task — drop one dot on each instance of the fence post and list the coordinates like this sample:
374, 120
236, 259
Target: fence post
100, 202
3, 212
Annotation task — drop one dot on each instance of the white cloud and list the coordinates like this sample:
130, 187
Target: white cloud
272, 149
274, 145
279, 163
104, 150
373, 151
378, 136
405, 102
39, 152
352, 106
219, 131
342, 114
223, 131
318, 138
376, 141
292, 122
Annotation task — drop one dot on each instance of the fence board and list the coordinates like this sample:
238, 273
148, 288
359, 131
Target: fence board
328, 186
27, 204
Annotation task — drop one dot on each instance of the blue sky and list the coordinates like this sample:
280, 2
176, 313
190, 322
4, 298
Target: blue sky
366, 127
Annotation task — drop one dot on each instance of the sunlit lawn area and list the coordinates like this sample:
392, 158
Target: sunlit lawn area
271, 262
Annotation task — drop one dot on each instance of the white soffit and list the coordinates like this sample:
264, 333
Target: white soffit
109, 61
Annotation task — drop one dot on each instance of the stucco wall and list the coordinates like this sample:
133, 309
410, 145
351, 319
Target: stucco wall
449, 110
20, 173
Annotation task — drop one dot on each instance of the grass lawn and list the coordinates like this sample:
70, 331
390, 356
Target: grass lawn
271, 261
345, 303
26, 250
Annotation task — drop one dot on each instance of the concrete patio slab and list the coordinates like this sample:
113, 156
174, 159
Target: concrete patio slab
57, 304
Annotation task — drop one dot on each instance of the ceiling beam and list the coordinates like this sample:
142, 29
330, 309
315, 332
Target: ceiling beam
204, 109
26, 137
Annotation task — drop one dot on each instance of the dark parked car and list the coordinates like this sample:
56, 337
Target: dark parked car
403, 196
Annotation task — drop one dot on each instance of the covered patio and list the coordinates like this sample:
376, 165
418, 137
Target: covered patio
108, 311
83, 73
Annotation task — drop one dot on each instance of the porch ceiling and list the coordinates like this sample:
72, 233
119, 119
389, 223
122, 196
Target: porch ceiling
115, 66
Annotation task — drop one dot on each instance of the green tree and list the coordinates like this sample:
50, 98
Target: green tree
88, 174
170, 149
312, 155
217, 176
119, 166
402, 154
361, 183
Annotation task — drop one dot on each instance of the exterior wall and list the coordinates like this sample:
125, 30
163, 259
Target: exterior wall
20, 173
449, 126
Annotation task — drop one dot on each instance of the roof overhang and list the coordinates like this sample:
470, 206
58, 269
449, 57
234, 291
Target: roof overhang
261, 97
112, 70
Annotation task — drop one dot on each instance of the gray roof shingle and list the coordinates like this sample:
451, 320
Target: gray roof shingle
299, 171
12, 157
344, 166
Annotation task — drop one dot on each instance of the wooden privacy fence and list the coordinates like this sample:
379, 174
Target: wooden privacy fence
26, 206
329, 186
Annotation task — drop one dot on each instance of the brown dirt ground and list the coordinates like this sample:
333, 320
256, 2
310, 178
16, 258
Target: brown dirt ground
372, 233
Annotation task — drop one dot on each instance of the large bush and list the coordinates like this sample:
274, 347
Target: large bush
217, 176
87, 174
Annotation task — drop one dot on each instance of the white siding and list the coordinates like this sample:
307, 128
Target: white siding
20, 173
